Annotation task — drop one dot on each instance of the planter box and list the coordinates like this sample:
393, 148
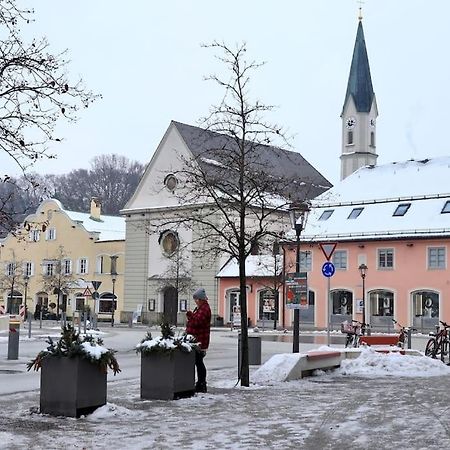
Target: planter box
168, 376
71, 387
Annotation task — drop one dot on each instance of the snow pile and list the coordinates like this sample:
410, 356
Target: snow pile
110, 411
94, 351
158, 342
276, 369
373, 364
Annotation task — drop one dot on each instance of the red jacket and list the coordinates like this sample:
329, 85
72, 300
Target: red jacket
199, 324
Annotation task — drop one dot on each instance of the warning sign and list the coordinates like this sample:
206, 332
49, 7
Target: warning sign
87, 292
328, 249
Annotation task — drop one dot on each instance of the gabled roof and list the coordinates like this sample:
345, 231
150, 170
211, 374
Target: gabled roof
379, 190
207, 146
109, 228
359, 81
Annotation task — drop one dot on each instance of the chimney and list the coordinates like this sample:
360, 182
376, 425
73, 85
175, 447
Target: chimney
96, 207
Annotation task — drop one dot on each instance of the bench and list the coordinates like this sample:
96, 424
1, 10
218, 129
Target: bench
379, 340
315, 355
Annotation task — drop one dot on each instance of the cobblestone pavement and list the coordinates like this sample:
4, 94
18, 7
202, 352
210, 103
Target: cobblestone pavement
323, 412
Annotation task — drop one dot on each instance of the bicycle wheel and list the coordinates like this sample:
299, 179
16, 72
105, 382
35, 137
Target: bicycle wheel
429, 349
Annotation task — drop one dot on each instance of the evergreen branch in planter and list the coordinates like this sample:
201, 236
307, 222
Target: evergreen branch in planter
71, 345
167, 342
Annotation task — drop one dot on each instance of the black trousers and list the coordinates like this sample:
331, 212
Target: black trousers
200, 365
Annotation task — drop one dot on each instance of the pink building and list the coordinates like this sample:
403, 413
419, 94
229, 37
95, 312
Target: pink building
395, 220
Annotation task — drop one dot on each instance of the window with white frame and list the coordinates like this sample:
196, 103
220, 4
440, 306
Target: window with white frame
305, 261
436, 258
51, 234
10, 269
101, 264
385, 258
67, 266
340, 259
34, 235
48, 268
83, 266
28, 269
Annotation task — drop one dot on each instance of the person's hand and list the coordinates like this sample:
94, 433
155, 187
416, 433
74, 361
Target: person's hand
189, 313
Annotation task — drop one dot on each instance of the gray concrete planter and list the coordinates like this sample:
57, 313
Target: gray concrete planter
167, 376
71, 386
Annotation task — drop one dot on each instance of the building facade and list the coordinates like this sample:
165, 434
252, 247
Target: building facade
166, 255
50, 262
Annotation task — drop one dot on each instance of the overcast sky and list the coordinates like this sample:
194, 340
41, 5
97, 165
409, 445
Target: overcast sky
145, 58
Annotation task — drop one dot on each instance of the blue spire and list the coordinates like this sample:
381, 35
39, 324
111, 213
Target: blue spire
359, 81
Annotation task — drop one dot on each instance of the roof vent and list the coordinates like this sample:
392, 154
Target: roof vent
424, 161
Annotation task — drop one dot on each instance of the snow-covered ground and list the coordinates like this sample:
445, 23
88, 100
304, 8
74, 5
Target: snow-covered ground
377, 401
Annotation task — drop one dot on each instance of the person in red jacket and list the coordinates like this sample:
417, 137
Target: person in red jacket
199, 326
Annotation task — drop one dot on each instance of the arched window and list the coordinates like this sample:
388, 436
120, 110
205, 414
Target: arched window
426, 304
381, 303
349, 137
342, 302
106, 302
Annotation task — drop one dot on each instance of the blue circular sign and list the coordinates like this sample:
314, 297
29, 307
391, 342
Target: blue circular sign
328, 269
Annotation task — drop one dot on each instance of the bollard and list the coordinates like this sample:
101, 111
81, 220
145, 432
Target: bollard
29, 325
409, 338
130, 321
13, 340
40, 320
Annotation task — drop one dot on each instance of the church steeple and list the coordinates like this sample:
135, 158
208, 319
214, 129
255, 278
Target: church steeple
359, 112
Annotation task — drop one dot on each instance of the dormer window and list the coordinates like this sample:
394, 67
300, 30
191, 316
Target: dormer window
446, 208
355, 213
402, 209
326, 214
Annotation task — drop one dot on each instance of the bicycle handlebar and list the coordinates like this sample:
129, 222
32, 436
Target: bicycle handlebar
444, 324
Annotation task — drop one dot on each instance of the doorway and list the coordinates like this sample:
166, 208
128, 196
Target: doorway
170, 309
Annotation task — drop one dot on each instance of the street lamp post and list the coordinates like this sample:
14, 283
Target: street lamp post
362, 271
298, 213
25, 282
113, 279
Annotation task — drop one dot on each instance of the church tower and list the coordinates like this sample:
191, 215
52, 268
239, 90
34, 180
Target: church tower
359, 113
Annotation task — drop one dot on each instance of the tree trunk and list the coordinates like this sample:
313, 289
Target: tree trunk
245, 375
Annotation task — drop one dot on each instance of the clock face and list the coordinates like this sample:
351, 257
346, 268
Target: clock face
350, 123
372, 122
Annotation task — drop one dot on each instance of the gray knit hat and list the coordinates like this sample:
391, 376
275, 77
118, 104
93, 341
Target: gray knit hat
200, 294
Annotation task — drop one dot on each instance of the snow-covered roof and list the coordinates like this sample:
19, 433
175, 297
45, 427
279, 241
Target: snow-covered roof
110, 228
379, 191
255, 266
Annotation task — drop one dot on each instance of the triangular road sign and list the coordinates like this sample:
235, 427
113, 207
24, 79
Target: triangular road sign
96, 284
87, 292
328, 249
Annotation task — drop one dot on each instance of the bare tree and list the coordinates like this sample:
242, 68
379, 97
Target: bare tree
112, 178
178, 273
58, 277
35, 91
12, 278
237, 185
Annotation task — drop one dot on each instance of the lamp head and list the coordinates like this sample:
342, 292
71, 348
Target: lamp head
362, 270
298, 213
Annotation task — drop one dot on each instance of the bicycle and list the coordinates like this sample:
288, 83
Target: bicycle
439, 344
404, 334
353, 331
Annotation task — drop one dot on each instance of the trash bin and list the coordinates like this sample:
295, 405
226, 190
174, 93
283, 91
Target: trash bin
13, 340
254, 351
